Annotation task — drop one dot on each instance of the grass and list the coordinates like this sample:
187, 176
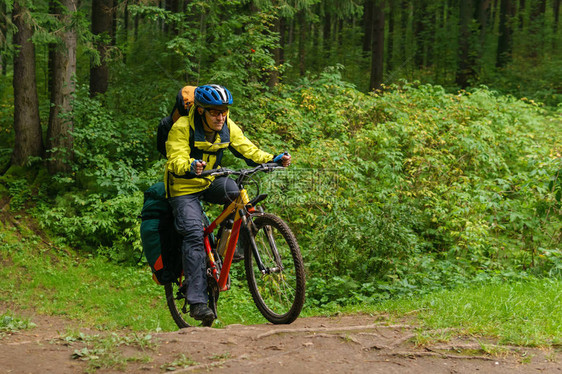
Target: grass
524, 313
109, 296
99, 293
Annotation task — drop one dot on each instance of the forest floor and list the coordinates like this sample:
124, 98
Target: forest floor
343, 344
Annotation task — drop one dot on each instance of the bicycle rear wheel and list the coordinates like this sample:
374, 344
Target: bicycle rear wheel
177, 303
278, 289
179, 309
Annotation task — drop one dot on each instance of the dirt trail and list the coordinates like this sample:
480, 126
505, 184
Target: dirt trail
310, 345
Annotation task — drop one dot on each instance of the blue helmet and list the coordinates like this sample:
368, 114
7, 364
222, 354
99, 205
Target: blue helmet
212, 95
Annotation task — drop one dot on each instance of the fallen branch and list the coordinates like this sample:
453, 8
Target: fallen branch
339, 336
331, 329
436, 354
403, 339
475, 347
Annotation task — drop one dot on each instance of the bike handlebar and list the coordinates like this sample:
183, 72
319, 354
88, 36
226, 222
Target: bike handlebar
267, 167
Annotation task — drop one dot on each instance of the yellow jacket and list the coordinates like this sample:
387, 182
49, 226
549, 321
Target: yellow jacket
186, 143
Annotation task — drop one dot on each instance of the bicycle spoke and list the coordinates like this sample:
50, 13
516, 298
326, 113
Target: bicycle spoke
279, 293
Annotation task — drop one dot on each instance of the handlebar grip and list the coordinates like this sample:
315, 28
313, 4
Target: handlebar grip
207, 173
272, 165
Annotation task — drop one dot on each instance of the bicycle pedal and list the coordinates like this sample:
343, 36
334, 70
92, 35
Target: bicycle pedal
182, 292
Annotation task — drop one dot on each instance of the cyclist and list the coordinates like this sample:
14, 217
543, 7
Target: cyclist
195, 143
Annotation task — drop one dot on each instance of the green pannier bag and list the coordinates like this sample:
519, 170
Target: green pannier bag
160, 242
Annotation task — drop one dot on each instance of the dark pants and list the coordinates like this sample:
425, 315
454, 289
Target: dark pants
188, 215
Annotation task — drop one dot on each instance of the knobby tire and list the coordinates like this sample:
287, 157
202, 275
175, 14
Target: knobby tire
280, 295
171, 290
177, 301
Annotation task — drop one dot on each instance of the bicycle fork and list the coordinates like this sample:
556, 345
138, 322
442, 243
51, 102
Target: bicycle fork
272, 248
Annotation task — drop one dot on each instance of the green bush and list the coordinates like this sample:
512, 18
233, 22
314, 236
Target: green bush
397, 192
433, 189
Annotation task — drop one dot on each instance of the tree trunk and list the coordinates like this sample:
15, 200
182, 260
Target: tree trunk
279, 28
125, 29
3, 31
429, 40
405, 51
521, 14
102, 23
390, 39
505, 39
59, 138
114, 16
327, 35
537, 26
136, 26
27, 125
492, 17
556, 10
174, 7
419, 32
302, 40
483, 17
538, 8
377, 48
367, 26
168, 7
51, 49
315, 49
465, 67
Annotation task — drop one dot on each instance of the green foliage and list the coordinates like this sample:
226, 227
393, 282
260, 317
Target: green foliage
110, 144
214, 41
405, 191
182, 362
10, 323
528, 79
102, 352
432, 189
107, 226
6, 120
96, 207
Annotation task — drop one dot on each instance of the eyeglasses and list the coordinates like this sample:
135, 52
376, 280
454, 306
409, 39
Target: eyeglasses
217, 112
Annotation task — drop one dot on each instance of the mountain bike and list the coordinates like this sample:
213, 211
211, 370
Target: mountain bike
272, 259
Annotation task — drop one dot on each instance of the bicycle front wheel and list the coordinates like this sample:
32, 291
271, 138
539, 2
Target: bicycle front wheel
277, 287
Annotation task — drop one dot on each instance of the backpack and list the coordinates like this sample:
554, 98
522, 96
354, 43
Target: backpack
184, 101
160, 242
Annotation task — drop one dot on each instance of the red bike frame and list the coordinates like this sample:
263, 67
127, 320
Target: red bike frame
239, 206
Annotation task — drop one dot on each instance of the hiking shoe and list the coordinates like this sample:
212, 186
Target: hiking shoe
201, 312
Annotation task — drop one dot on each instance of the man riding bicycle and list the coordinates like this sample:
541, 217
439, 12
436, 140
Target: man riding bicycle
195, 143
